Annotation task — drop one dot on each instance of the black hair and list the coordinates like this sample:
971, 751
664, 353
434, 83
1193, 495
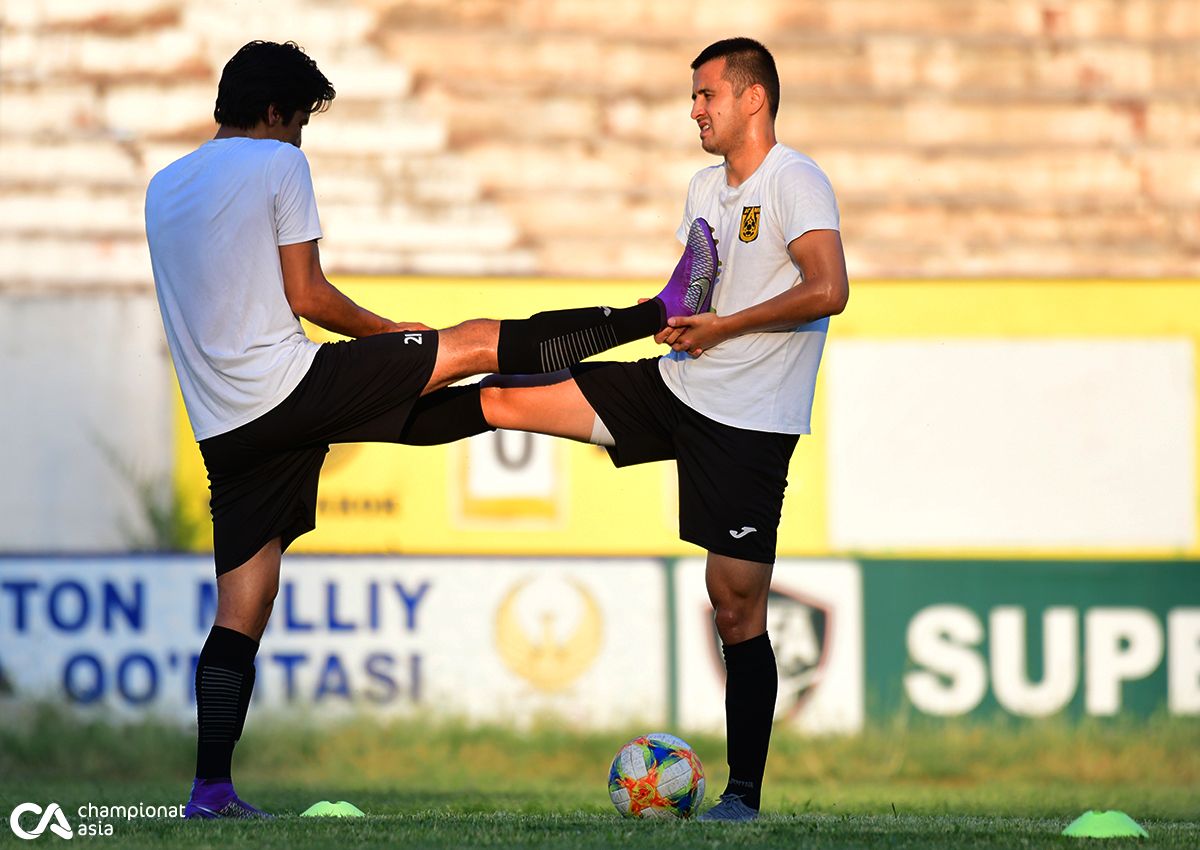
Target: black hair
264, 73
747, 63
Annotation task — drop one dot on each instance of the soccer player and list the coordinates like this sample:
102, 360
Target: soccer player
233, 233
730, 400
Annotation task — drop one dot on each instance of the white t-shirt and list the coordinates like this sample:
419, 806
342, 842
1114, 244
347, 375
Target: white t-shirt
215, 220
759, 381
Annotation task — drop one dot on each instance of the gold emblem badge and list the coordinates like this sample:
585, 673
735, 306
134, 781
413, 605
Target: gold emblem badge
749, 229
552, 657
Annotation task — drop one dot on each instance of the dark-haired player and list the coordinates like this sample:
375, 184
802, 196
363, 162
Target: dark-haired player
233, 233
730, 401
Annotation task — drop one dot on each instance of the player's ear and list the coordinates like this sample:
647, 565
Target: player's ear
274, 117
756, 96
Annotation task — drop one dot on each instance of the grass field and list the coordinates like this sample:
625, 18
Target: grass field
426, 784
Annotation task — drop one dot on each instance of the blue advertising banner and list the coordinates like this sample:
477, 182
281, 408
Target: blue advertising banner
496, 639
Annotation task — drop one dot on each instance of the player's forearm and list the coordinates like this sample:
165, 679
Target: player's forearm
328, 307
807, 302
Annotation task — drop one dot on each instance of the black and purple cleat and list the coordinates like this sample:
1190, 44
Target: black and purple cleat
690, 289
215, 798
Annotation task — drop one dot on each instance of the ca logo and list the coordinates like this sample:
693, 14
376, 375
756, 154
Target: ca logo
53, 812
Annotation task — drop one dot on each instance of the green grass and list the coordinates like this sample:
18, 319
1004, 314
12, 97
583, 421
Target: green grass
426, 784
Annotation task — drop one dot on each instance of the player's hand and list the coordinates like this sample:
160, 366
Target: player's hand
396, 327
666, 336
695, 334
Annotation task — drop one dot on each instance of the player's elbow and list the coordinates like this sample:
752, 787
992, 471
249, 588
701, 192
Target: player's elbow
836, 299
304, 299
298, 303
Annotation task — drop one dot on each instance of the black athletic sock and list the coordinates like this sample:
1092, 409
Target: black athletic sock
445, 416
555, 340
751, 684
224, 682
244, 701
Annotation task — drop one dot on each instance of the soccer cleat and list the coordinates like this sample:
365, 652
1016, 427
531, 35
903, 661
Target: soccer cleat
690, 289
215, 798
729, 808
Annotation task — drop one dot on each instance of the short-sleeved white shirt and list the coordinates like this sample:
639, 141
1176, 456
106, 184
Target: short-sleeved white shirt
759, 381
215, 220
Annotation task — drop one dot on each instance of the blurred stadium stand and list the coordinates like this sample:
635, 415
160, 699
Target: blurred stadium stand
994, 139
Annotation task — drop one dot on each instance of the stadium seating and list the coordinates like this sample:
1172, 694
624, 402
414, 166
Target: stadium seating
1016, 139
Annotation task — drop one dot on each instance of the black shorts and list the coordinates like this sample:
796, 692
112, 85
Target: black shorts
731, 480
263, 475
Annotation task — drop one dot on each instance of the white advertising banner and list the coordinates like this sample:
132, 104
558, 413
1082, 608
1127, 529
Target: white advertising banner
497, 639
814, 618
983, 443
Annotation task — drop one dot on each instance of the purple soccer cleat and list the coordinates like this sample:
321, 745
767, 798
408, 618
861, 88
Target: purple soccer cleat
215, 798
690, 289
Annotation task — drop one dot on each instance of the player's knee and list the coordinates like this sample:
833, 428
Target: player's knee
487, 329
267, 608
466, 349
472, 335
258, 604
736, 623
247, 613
739, 615
497, 409
259, 597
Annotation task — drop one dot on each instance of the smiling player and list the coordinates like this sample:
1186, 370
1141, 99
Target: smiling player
730, 401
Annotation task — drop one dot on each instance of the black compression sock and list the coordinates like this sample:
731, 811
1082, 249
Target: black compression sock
751, 684
244, 702
224, 682
445, 416
557, 339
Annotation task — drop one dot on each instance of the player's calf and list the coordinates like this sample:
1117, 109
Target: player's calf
555, 340
552, 341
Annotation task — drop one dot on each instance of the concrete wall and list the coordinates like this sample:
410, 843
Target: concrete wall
525, 137
1016, 138
86, 430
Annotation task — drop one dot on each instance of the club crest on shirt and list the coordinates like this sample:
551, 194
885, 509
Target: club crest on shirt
748, 232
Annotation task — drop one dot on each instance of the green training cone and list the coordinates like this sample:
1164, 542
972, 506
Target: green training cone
326, 809
1112, 824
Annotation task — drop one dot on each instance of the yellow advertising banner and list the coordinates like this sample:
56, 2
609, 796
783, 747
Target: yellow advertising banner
512, 493
500, 493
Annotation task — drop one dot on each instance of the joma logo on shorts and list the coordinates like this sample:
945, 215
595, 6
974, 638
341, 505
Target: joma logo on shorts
738, 535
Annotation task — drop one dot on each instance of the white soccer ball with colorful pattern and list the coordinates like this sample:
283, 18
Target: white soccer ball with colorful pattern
656, 776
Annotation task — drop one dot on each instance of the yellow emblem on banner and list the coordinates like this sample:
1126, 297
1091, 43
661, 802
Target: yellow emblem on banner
749, 228
549, 661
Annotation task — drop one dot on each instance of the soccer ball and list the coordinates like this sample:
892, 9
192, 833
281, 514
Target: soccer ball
656, 776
